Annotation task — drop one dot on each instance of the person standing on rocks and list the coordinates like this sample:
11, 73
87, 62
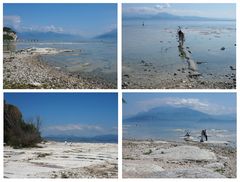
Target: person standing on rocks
204, 135
181, 37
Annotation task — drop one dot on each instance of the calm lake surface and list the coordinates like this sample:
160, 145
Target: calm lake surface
175, 131
93, 58
156, 42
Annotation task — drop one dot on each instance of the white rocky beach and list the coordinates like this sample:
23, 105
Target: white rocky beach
168, 159
24, 69
62, 160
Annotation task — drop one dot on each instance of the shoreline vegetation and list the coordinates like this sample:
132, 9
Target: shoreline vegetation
171, 159
24, 69
19, 133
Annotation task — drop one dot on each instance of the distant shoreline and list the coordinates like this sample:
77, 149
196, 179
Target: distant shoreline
92, 142
80, 141
24, 69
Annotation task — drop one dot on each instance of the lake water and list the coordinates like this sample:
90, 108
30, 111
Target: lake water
175, 131
93, 58
156, 42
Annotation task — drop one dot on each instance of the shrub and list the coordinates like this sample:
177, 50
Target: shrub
17, 132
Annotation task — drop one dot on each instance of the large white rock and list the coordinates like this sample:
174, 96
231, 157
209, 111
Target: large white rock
140, 168
185, 153
188, 173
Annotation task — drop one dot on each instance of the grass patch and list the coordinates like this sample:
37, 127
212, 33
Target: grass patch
220, 170
148, 152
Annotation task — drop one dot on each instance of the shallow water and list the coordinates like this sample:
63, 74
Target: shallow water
93, 58
176, 131
156, 42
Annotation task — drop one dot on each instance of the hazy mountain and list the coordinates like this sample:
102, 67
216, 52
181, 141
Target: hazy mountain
95, 139
112, 35
48, 36
175, 114
168, 16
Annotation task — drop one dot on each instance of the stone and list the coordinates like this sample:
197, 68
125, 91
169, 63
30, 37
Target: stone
188, 173
186, 153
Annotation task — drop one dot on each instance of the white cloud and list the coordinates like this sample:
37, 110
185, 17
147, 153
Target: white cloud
73, 129
51, 28
194, 103
12, 21
160, 8
15, 22
146, 10
47, 28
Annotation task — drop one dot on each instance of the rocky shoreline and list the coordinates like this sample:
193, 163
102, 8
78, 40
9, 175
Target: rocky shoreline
169, 159
147, 75
24, 69
58, 160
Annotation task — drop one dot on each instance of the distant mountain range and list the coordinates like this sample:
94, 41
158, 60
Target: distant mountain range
178, 114
46, 36
167, 16
96, 139
112, 35
53, 36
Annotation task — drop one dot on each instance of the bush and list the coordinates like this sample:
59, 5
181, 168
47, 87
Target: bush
9, 30
17, 132
7, 37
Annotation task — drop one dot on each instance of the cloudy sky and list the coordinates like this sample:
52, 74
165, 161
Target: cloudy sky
78, 114
219, 10
211, 103
83, 19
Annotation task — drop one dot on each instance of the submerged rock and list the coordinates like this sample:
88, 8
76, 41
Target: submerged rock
232, 68
200, 62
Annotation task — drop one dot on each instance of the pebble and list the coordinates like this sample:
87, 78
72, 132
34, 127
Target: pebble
27, 71
232, 68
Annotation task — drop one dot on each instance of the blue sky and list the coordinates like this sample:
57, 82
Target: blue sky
217, 10
211, 103
80, 114
83, 19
